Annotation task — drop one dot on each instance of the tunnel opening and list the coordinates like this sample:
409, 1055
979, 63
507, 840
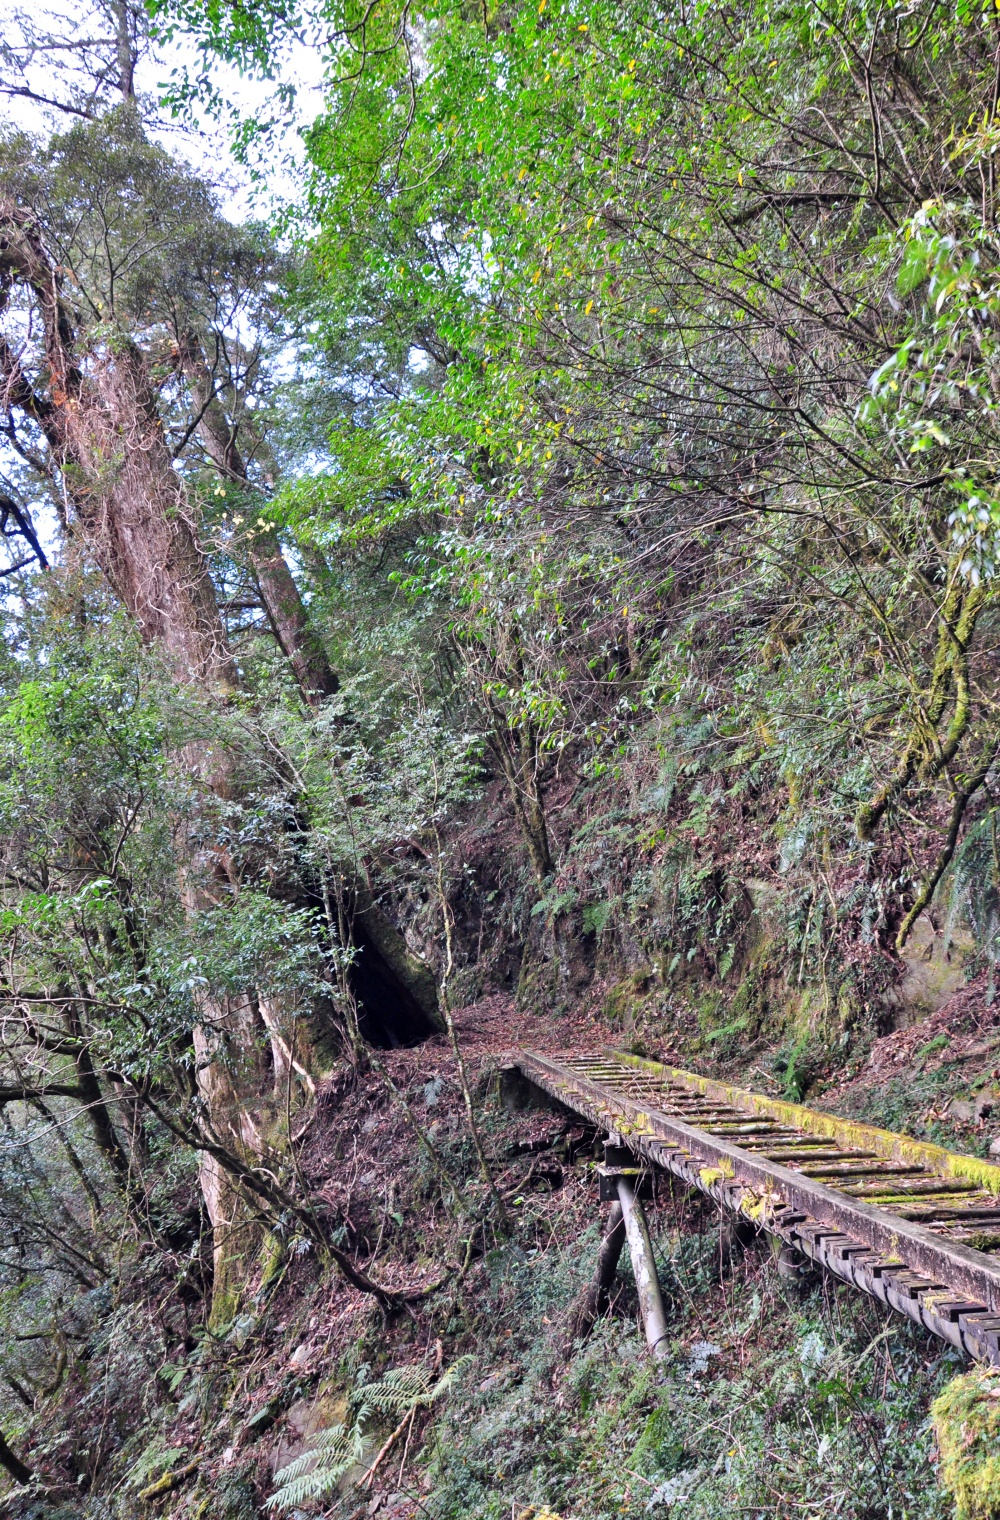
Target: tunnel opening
394, 991
389, 1015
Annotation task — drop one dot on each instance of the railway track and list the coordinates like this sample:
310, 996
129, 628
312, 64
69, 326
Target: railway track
913, 1225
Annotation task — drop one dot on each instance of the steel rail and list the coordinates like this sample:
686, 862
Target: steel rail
904, 1249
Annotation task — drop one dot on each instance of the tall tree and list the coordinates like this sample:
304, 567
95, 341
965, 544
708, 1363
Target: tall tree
85, 399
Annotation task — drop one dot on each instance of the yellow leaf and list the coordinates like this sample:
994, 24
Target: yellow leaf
588, 308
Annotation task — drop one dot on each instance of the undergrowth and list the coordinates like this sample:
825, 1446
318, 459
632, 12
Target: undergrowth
769, 1405
917, 1103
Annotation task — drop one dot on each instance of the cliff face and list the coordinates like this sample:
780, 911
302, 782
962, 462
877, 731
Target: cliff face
699, 912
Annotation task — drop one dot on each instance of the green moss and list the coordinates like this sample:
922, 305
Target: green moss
620, 1000
749, 1005
711, 1010
272, 1260
966, 1419
849, 1006
225, 1303
724, 1040
860, 1136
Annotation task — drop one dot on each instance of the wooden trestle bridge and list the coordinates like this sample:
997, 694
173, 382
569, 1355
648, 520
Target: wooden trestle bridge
909, 1223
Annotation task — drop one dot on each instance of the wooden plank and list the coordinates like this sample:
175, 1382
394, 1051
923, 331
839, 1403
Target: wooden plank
762, 1185
848, 1131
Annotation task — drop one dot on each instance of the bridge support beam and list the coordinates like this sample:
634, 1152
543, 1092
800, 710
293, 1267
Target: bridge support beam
640, 1247
900, 1224
594, 1301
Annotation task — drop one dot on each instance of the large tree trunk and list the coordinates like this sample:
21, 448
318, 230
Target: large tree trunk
131, 505
396, 991
283, 604
107, 445
107, 442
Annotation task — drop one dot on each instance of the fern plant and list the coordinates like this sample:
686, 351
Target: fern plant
333, 1452
156, 1459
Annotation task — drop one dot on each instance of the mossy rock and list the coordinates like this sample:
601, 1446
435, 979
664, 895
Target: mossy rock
752, 1008
272, 1259
966, 1418
621, 1000
711, 1009
226, 1297
749, 1007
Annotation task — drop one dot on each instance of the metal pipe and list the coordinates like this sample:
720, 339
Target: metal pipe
644, 1269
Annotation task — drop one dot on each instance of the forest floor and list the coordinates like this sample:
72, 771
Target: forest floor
937, 1078
776, 1400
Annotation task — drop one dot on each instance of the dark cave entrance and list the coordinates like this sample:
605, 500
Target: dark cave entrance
389, 1015
394, 990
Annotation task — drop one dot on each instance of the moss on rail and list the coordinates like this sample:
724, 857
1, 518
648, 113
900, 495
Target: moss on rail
850, 1132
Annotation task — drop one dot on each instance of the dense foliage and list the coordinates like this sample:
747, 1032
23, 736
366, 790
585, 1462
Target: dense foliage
669, 336
551, 546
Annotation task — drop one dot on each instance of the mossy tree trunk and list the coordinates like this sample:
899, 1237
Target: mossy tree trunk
96, 405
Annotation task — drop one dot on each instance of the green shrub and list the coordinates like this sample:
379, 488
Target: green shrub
966, 1418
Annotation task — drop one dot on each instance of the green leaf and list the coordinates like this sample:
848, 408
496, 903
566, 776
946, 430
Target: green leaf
595, 917
914, 268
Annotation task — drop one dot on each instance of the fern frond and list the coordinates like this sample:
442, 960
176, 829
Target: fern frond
400, 1390
411, 1387
449, 1378
312, 1475
405, 1388
314, 1485
333, 1452
156, 1459
327, 1447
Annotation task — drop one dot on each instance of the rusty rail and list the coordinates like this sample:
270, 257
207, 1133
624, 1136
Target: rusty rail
915, 1226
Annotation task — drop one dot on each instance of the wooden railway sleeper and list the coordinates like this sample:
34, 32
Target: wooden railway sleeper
716, 1165
856, 1264
888, 1282
912, 1284
810, 1153
951, 1308
856, 1169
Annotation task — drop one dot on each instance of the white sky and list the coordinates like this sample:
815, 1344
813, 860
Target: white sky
207, 146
